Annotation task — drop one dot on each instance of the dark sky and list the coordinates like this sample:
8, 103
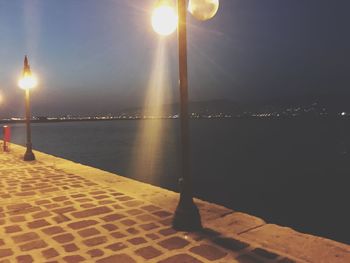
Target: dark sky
96, 56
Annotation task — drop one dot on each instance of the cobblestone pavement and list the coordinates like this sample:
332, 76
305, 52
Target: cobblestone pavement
49, 215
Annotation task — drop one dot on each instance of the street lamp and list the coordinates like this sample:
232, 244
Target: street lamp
27, 82
187, 217
203, 9
164, 18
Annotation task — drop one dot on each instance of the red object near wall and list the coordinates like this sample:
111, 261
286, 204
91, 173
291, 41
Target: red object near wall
7, 138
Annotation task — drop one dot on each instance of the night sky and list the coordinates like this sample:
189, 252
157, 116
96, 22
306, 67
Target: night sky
96, 56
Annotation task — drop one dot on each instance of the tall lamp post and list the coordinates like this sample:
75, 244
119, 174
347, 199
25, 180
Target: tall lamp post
27, 82
164, 20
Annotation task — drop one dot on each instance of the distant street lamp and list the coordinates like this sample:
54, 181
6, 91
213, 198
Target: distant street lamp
27, 82
187, 217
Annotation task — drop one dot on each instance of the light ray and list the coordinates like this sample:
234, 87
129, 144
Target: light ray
148, 144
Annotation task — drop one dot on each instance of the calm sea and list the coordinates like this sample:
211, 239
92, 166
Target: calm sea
293, 172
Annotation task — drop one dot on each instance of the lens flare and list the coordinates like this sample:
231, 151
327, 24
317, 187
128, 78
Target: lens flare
203, 9
28, 82
164, 20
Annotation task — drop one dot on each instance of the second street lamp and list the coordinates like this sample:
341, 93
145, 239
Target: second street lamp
27, 82
187, 217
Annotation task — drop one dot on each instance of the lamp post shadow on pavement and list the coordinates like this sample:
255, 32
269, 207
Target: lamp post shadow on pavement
187, 216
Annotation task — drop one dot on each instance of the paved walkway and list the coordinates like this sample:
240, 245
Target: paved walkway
53, 210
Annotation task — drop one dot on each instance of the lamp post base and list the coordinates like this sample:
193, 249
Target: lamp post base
187, 217
29, 155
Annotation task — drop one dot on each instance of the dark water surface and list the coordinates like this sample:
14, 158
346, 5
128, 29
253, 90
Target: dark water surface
293, 172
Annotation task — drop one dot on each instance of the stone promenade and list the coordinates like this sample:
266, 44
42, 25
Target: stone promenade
54, 210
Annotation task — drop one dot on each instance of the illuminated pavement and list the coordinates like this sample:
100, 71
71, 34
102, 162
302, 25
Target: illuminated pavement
54, 210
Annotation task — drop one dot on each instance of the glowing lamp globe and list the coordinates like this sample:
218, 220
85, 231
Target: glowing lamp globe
203, 9
28, 81
164, 19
